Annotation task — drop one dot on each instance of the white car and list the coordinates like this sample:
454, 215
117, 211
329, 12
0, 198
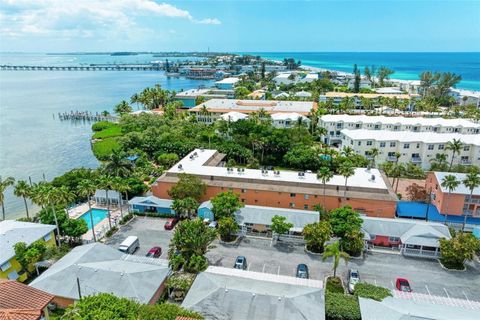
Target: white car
353, 279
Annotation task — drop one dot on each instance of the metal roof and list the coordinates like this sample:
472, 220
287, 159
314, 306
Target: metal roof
102, 269
223, 293
151, 201
112, 194
12, 232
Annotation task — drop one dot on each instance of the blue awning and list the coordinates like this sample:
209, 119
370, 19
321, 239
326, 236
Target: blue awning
418, 210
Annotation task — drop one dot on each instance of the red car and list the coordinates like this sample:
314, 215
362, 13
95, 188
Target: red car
403, 285
170, 223
155, 252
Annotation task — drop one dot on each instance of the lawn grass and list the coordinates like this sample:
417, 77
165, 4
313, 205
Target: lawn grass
114, 130
102, 149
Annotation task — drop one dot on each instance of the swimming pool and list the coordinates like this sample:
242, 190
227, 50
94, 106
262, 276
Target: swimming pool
98, 215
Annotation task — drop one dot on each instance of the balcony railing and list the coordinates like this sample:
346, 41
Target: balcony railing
391, 158
466, 162
420, 253
416, 160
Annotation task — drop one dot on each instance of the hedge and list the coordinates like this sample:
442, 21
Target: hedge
339, 306
334, 285
113, 131
101, 125
370, 291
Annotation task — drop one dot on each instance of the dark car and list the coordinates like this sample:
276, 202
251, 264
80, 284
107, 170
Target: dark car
170, 223
155, 252
403, 285
302, 271
240, 263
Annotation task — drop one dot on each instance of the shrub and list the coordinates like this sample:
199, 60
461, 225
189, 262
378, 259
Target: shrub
334, 284
104, 148
370, 291
126, 218
113, 131
110, 232
101, 125
165, 311
154, 214
339, 306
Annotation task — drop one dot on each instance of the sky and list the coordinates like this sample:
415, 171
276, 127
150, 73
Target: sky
239, 26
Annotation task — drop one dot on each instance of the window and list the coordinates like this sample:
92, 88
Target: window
256, 201
406, 146
306, 196
244, 190
430, 147
243, 200
395, 128
13, 275
466, 148
418, 145
305, 206
369, 143
4, 267
357, 126
393, 144
377, 127
441, 147
293, 195
382, 144
359, 143
292, 205
47, 237
393, 239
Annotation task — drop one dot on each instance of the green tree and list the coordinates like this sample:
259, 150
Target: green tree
75, 228
316, 234
118, 165
22, 189
227, 226
383, 74
4, 184
191, 239
324, 174
346, 170
185, 208
450, 183
241, 92
456, 147
439, 163
27, 256
333, 250
373, 153
167, 160
471, 181
460, 248
352, 242
280, 225
225, 204
188, 186
122, 108
345, 220
87, 188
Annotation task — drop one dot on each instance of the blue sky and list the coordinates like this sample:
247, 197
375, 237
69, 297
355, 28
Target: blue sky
149, 25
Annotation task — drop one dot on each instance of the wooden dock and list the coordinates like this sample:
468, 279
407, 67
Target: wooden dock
84, 116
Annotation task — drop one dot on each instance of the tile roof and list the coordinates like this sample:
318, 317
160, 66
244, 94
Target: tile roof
21, 302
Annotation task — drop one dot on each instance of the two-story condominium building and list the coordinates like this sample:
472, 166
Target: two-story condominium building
334, 123
458, 202
13, 232
227, 83
415, 147
368, 190
337, 97
189, 97
211, 110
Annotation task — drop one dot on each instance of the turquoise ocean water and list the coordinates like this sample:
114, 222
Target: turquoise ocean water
33, 142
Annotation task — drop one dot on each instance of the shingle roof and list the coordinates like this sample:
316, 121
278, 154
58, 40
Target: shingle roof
12, 232
221, 294
21, 302
102, 269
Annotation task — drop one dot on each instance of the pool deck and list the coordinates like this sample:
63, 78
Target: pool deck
101, 227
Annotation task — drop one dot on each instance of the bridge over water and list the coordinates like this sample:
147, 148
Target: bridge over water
112, 67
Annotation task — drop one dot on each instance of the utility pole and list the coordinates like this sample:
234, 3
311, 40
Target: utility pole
78, 287
429, 200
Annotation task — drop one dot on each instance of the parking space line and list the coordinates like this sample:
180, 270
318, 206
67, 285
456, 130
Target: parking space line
375, 280
466, 297
446, 293
278, 270
428, 290
391, 282
263, 270
248, 266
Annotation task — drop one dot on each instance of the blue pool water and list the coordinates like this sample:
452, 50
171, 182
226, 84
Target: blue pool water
98, 215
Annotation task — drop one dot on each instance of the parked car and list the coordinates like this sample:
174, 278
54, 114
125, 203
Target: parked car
403, 285
170, 223
353, 279
155, 252
213, 224
240, 263
302, 271
129, 245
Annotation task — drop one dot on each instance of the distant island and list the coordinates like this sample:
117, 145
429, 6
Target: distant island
124, 54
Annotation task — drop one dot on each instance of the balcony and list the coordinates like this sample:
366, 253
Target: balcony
392, 158
416, 160
466, 162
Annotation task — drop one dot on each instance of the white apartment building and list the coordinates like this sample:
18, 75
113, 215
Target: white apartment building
337, 97
334, 123
294, 77
415, 147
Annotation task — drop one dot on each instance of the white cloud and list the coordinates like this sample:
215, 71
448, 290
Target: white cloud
85, 18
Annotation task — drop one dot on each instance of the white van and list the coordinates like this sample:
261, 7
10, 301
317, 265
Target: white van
129, 245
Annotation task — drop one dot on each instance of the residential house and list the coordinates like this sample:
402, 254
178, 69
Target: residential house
227, 83
151, 204
189, 97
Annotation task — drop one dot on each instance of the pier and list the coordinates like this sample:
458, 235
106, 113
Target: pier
84, 116
103, 67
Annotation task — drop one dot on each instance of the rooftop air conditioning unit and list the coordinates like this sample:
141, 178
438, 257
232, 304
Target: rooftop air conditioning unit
180, 167
373, 177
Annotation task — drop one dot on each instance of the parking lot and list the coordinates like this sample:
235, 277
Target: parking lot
150, 232
425, 276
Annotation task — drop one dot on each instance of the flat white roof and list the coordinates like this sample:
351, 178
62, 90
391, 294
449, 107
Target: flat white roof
193, 93
195, 165
233, 116
414, 121
231, 80
461, 189
287, 116
255, 105
409, 136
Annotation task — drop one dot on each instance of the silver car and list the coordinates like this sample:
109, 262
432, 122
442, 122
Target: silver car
353, 279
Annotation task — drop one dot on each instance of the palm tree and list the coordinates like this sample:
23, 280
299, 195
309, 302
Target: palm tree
346, 170
397, 157
325, 175
122, 108
86, 189
22, 189
471, 181
347, 151
118, 166
4, 184
121, 186
64, 197
105, 183
439, 162
373, 153
333, 250
456, 147
449, 182
48, 196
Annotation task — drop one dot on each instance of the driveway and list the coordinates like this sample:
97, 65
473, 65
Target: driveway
425, 276
150, 233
